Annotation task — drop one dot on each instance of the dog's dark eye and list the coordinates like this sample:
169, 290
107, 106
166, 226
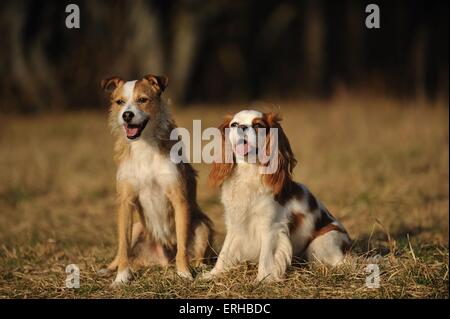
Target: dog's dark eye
142, 100
257, 126
120, 102
234, 124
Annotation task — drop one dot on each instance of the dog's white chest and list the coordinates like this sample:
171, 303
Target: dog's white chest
244, 193
146, 165
150, 173
249, 210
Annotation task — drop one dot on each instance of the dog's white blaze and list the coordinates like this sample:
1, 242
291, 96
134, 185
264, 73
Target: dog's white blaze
128, 89
246, 116
127, 93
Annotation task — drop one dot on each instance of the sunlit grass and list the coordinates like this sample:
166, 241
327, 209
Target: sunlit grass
380, 166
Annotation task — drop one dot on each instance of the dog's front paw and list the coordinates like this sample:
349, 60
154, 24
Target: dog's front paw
267, 278
104, 272
185, 275
123, 277
210, 275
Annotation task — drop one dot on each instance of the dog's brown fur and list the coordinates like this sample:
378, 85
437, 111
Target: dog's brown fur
192, 229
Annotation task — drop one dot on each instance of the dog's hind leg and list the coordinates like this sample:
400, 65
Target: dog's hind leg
328, 248
113, 265
147, 253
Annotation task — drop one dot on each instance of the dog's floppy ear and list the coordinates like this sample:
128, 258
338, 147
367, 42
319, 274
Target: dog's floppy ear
279, 180
221, 168
158, 82
110, 84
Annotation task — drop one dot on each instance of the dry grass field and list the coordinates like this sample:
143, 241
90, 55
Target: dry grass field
380, 166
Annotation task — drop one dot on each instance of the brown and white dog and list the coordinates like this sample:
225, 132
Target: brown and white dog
269, 217
161, 192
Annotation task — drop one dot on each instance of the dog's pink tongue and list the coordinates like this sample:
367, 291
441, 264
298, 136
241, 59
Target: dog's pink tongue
131, 131
241, 149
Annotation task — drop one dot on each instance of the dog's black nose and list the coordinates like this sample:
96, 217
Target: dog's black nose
127, 116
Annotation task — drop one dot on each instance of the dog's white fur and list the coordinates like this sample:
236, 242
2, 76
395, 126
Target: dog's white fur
151, 173
259, 228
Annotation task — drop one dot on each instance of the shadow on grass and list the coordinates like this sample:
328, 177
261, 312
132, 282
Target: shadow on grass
381, 243
378, 243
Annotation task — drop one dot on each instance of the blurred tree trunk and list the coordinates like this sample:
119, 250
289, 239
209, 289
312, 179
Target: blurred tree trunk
354, 42
33, 76
184, 49
418, 61
221, 51
314, 36
144, 40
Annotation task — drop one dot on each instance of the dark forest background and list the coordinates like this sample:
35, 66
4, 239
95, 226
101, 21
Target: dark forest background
221, 51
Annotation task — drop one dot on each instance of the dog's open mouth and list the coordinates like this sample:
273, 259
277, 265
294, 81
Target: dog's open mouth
134, 130
242, 147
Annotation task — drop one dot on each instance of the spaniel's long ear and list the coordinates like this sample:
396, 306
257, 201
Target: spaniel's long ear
110, 84
221, 168
281, 178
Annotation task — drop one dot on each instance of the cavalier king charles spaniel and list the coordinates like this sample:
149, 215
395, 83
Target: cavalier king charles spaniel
269, 217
